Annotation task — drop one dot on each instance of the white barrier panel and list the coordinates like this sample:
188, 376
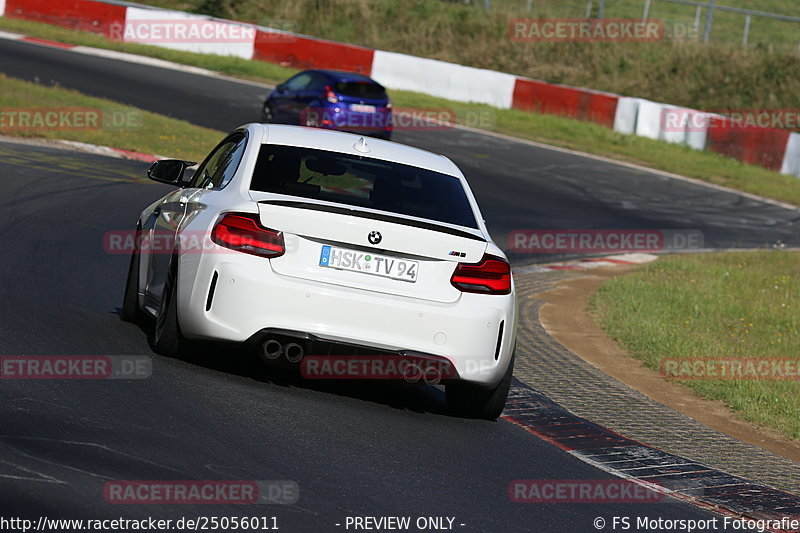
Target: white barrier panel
625, 116
2, 7
447, 80
648, 119
674, 124
791, 158
697, 133
191, 33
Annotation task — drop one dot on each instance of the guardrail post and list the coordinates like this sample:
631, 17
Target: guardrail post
746, 30
709, 21
697, 19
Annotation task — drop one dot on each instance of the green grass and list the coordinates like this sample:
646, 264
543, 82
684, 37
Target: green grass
548, 129
741, 305
121, 126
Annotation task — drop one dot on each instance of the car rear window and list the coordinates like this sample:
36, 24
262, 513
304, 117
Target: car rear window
362, 182
360, 89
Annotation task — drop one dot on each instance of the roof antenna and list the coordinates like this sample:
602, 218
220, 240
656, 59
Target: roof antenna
361, 145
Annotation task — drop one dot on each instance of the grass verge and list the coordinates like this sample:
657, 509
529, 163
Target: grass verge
712, 306
557, 131
98, 121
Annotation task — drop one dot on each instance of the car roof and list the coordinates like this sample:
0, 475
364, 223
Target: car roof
337, 141
341, 75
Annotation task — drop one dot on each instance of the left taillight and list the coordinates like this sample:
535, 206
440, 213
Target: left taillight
244, 233
492, 275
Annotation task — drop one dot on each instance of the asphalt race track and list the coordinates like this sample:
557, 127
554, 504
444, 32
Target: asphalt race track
363, 450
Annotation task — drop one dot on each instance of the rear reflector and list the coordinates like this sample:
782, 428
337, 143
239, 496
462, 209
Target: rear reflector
244, 233
492, 275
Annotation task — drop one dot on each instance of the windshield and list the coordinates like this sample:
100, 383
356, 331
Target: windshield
363, 182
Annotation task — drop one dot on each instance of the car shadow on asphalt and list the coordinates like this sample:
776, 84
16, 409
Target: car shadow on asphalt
243, 361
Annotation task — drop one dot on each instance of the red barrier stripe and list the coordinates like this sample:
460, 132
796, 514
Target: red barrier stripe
83, 15
765, 147
47, 42
305, 52
552, 99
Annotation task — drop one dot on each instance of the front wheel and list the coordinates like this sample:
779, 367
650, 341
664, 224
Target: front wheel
167, 337
473, 401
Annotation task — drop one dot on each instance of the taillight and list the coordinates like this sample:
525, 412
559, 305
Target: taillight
492, 275
243, 232
330, 95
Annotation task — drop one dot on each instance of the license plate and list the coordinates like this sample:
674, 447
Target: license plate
369, 263
361, 108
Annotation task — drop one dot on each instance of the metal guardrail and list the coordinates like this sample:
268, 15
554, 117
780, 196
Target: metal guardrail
597, 9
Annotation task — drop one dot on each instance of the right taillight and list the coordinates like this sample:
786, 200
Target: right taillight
244, 233
492, 275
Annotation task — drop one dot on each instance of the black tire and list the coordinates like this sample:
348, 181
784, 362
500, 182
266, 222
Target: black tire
167, 337
266, 114
472, 401
131, 312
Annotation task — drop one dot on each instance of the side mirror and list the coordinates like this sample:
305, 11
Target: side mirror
169, 171
281, 88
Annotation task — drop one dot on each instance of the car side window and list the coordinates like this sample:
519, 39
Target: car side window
220, 166
299, 82
318, 83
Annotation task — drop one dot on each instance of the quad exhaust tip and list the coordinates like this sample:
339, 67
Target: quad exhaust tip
294, 352
272, 349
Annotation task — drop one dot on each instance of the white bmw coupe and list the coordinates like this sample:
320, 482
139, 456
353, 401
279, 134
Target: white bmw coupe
299, 239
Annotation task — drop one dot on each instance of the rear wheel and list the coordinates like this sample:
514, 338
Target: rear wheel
167, 337
473, 401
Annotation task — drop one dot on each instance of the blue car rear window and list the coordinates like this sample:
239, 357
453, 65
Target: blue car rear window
360, 89
363, 182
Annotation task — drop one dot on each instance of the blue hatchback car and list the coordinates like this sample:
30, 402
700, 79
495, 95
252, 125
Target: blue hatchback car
331, 99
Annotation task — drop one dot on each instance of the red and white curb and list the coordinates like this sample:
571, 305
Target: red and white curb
88, 148
594, 262
108, 151
127, 57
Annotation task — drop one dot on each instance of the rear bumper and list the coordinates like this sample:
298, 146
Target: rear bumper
476, 333
378, 124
